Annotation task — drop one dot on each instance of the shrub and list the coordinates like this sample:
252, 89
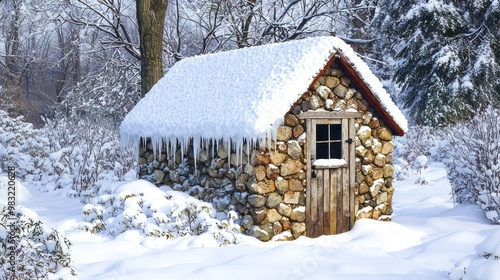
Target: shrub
484, 264
22, 146
29, 249
413, 150
84, 151
474, 164
139, 205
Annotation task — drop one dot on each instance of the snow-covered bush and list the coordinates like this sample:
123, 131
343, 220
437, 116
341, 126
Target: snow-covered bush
84, 151
412, 151
29, 250
21, 146
160, 213
474, 164
484, 265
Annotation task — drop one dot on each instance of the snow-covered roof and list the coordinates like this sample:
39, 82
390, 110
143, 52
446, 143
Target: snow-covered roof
240, 94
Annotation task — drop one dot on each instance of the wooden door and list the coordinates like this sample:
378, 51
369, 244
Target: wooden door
330, 193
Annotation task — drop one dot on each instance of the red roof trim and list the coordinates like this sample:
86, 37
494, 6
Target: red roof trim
368, 95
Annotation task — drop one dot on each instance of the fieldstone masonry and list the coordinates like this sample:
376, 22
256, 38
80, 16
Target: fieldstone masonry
267, 188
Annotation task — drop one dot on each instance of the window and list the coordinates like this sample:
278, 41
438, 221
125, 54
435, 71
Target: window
328, 141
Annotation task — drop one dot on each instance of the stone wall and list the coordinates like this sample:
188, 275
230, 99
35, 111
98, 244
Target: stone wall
267, 187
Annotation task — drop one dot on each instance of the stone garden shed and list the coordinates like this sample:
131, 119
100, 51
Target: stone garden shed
295, 137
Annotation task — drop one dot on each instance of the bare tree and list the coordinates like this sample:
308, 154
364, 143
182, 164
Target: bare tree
11, 65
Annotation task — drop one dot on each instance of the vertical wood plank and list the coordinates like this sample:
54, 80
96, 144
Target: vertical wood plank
320, 202
309, 181
340, 195
352, 175
326, 202
314, 206
333, 202
345, 176
345, 136
345, 198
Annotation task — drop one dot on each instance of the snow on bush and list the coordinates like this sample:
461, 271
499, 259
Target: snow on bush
29, 250
22, 146
484, 265
474, 164
72, 154
84, 151
160, 213
413, 151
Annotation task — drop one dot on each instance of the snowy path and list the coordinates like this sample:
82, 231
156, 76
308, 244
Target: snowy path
426, 239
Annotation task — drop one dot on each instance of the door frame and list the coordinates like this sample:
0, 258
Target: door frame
347, 119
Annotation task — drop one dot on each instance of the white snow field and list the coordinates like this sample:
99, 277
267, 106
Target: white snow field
427, 238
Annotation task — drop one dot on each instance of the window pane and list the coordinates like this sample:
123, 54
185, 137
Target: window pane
322, 132
336, 150
322, 150
335, 132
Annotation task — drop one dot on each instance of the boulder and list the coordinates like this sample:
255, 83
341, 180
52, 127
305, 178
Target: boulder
379, 160
384, 134
295, 185
364, 133
292, 197
259, 233
316, 102
297, 131
387, 147
281, 185
324, 92
290, 167
375, 188
340, 91
272, 215
222, 152
388, 171
262, 187
272, 172
256, 200
332, 82
284, 133
294, 150
291, 120
247, 222
298, 229
298, 214
276, 157
363, 188
158, 175
284, 209
273, 200
286, 223
345, 81
240, 183
260, 173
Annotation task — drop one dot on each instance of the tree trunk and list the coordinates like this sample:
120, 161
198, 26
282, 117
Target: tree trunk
151, 18
12, 56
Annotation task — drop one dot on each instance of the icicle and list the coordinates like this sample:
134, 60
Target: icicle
239, 148
196, 143
228, 149
214, 147
173, 147
250, 147
136, 146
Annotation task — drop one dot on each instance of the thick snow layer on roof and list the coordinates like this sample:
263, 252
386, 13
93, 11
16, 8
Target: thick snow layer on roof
239, 94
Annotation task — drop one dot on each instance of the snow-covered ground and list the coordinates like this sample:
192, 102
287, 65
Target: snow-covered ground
427, 238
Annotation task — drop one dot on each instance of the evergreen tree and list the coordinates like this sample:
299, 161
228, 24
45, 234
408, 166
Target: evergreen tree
446, 56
